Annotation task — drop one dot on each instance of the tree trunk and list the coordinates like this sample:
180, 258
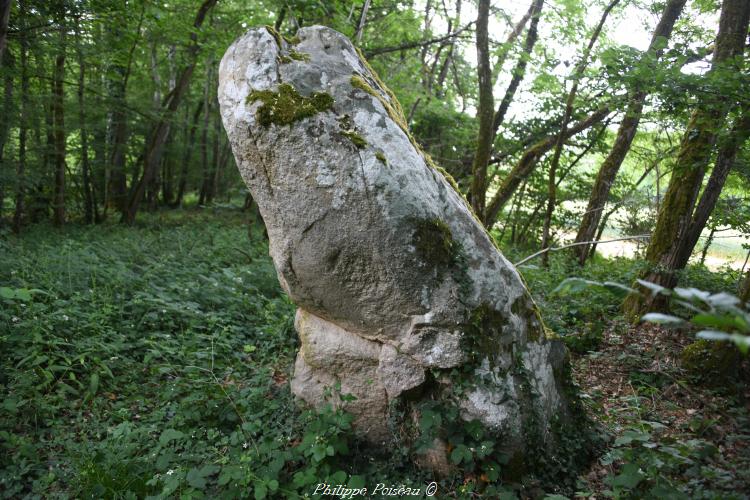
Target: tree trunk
670, 244
160, 132
551, 185
625, 134
186, 158
6, 127
117, 182
362, 20
4, 18
497, 66
525, 165
520, 70
203, 196
485, 112
23, 125
709, 241
88, 203
215, 159
744, 291
58, 117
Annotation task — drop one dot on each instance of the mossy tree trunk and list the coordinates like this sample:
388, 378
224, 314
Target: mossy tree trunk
625, 134
485, 113
670, 244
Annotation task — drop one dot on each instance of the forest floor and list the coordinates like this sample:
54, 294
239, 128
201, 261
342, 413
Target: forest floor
677, 431
153, 362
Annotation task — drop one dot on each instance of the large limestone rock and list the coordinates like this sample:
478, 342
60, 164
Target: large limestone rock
402, 296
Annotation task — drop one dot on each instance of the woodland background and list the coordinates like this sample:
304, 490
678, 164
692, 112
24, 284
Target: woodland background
147, 345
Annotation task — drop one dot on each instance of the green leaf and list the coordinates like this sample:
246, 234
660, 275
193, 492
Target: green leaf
196, 479
170, 435
260, 491
628, 478
461, 453
356, 482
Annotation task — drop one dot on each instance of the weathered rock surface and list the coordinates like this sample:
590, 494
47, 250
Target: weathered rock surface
402, 296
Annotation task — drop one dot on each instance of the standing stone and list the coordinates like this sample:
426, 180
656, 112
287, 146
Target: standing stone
403, 298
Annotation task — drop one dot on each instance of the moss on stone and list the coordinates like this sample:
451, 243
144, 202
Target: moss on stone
360, 83
524, 306
292, 40
299, 56
356, 139
434, 242
275, 34
293, 55
396, 113
381, 157
448, 177
287, 105
482, 334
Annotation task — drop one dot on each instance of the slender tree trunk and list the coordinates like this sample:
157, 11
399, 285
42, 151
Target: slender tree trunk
611, 211
485, 112
215, 160
203, 196
4, 18
88, 202
520, 70
280, 18
525, 165
552, 185
58, 117
744, 290
361, 23
23, 125
160, 132
6, 126
670, 244
625, 134
188, 152
117, 184
709, 241
498, 64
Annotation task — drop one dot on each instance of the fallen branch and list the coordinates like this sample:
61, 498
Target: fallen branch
555, 249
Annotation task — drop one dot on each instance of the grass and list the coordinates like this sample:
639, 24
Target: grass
154, 362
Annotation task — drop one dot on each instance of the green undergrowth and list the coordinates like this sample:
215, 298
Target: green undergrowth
154, 362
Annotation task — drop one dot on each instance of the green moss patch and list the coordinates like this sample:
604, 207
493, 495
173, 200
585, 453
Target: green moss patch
482, 333
275, 34
434, 242
287, 105
381, 157
293, 55
356, 139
